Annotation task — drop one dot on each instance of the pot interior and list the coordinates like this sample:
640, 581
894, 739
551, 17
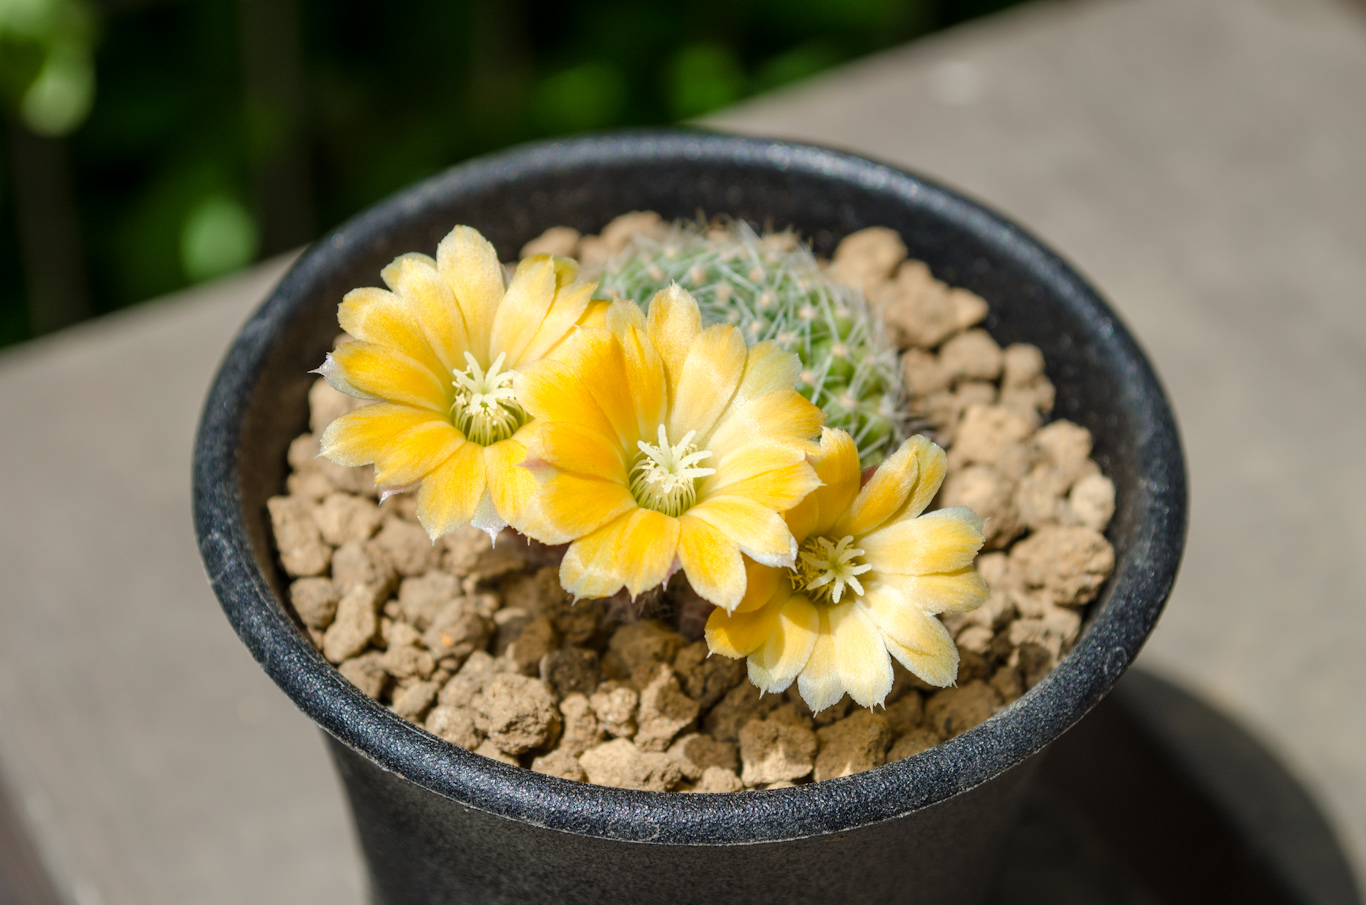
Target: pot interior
258, 405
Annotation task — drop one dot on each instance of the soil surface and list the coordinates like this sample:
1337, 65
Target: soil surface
479, 645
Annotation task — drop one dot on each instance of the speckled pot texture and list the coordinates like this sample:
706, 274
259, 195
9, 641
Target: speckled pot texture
439, 824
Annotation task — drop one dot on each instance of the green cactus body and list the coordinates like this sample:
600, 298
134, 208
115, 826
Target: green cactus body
772, 289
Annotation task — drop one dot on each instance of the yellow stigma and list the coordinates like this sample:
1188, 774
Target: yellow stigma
664, 477
825, 569
485, 408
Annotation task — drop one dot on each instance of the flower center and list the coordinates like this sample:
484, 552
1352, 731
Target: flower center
825, 569
664, 477
485, 408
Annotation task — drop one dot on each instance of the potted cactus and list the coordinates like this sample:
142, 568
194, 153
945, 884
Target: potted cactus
440, 823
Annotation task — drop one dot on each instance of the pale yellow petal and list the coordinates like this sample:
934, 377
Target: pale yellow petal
945, 592
568, 506
759, 531
837, 465
510, 485
914, 637
710, 374
861, 657
570, 309
386, 373
450, 494
620, 315
712, 563
768, 369
553, 391
636, 551
762, 584
523, 308
597, 358
417, 453
945, 540
819, 682
776, 663
779, 489
384, 318
566, 446
783, 417
933, 466
645, 376
885, 493
415, 278
361, 435
739, 634
673, 324
469, 265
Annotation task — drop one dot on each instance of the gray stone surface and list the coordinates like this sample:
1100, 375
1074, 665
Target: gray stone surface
1201, 159
153, 760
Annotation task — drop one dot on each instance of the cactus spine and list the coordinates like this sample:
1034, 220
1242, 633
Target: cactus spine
772, 288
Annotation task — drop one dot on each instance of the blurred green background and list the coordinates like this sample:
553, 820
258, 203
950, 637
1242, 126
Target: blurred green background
153, 144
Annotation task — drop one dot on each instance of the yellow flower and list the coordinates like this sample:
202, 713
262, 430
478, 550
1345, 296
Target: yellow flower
662, 445
436, 353
871, 575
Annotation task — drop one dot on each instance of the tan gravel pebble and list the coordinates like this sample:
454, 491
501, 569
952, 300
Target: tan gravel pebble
408, 546
457, 630
665, 710
956, 710
412, 701
423, 596
562, 241
706, 678
518, 713
407, 661
696, 752
343, 517
1070, 563
615, 704
621, 764
355, 625
570, 669
740, 705
455, 724
991, 495
560, 763
856, 743
315, 600
366, 672
916, 307
356, 563
1091, 501
971, 355
773, 750
912, 742
642, 643
301, 546
718, 779
581, 727
867, 258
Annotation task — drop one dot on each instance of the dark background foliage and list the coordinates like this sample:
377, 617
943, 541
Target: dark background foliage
152, 144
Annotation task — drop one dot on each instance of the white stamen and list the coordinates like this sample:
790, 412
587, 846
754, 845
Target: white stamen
485, 408
664, 478
828, 568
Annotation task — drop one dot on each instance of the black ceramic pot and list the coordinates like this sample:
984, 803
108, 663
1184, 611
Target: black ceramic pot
439, 824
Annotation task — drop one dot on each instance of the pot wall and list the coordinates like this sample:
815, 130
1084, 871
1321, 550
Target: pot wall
424, 850
440, 824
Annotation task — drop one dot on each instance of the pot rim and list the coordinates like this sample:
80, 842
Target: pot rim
1122, 617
